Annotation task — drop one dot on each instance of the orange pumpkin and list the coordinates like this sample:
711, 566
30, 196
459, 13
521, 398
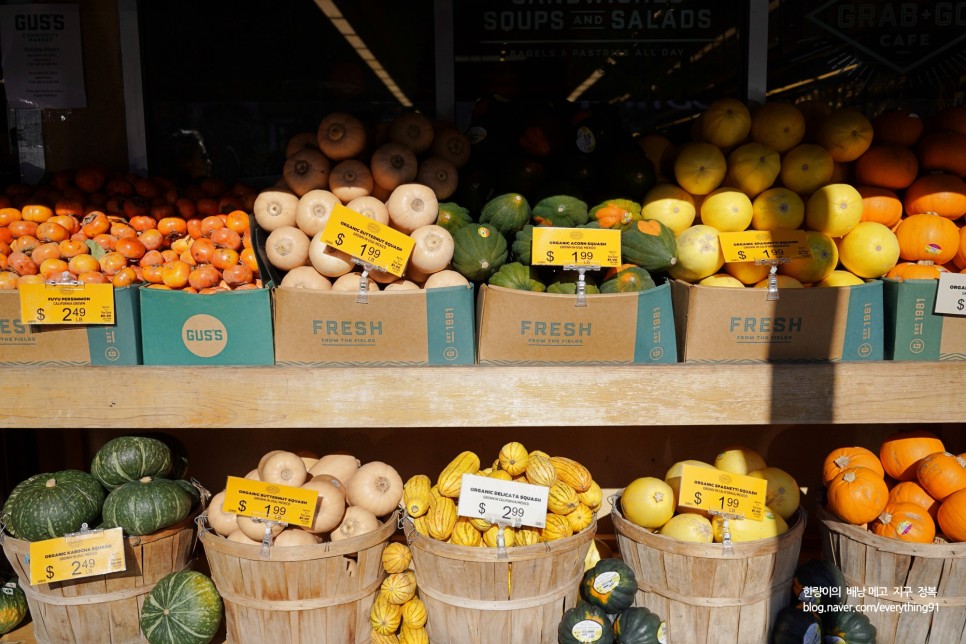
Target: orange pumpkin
951, 516
912, 492
940, 193
897, 126
901, 451
960, 258
943, 151
842, 458
905, 522
922, 270
880, 205
951, 118
941, 474
887, 166
857, 495
926, 236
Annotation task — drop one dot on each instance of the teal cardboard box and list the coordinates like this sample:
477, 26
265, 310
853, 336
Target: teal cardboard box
913, 331
392, 328
524, 328
64, 344
817, 324
228, 328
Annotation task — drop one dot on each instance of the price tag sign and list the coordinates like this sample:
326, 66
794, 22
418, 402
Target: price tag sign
368, 240
499, 501
77, 555
270, 501
951, 294
722, 492
67, 303
576, 247
764, 245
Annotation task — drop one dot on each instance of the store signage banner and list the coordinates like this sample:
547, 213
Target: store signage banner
43, 66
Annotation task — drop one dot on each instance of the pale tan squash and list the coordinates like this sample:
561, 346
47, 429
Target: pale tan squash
283, 468
377, 487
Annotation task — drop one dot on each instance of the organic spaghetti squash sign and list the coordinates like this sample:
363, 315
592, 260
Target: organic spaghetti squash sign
77, 555
722, 492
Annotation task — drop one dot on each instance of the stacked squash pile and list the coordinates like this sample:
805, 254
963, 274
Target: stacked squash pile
573, 498
875, 196
398, 616
652, 503
353, 498
396, 175
134, 483
912, 490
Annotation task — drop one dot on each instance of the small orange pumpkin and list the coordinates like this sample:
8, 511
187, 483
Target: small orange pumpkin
926, 236
912, 492
887, 166
941, 474
905, 522
842, 458
952, 516
897, 126
901, 451
940, 193
923, 270
960, 258
943, 151
880, 205
857, 495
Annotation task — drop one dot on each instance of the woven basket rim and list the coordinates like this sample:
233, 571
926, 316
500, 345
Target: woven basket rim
940, 550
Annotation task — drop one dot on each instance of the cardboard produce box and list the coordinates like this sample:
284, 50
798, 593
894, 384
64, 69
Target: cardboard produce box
716, 324
64, 344
913, 330
393, 328
229, 328
525, 328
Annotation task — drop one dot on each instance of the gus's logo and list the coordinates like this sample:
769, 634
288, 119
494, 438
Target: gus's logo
204, 335
39, 22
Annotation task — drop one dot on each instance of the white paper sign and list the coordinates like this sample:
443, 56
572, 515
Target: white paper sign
499, 501
43, 65
951, 296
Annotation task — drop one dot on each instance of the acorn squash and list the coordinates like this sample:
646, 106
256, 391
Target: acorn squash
516, 275
522, 247
479, 250
560, 210
626, 279
452, 216
851, 627
795, 626
819, 582
508, 213
649, 244
610, 584
566, 283
585, 624
616, 213
638, 625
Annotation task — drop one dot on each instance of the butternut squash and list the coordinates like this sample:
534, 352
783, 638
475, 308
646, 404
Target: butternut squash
284, 468
341, 136
308, 169
377, 487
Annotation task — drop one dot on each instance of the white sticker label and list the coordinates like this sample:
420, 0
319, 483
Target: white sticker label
951, 294
587, 631
500, 501
607, 581
662, 633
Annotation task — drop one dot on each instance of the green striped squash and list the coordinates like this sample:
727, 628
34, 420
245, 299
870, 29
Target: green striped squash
508, 213
51, 505
5, 518
13, 606
183, 608
146, 506
479, 251
129, 458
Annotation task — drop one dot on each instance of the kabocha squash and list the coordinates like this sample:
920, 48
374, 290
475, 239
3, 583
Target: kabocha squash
628, 278
129, 458
819, 582
857, 495
508, 213
183, 608
451, 478
794, 626
517, 276
54, 504
6, 521
638, 625
585, 624
13, 606
478, 251
610, 584
560, 210
649, 244
146, 506
850, 627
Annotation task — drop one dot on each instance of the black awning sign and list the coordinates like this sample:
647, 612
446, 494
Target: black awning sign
900, 35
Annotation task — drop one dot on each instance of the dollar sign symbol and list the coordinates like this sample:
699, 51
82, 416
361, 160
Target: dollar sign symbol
50, 572
40, 314
482, 508
549, 255
241, 505
697, 498
961, 304
741, 254
339, 239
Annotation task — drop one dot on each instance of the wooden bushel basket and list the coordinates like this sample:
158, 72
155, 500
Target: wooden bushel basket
869, 561
705, 594
104, 608
475, 595
298, 594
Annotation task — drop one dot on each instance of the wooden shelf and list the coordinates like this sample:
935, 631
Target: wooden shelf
669, 395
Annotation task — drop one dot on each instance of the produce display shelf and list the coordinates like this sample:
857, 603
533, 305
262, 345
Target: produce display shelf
478, 396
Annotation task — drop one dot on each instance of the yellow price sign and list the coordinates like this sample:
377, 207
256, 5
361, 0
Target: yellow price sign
270, 501
67, 303
77, 555
764, 245
575, 247
368, 240
722, 492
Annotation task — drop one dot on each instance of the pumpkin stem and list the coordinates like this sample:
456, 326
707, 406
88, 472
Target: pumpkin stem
841, 462
144, 479
885, 518
51, 483
849, 476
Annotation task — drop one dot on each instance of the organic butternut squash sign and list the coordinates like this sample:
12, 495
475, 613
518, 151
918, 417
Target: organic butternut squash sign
270, 501
368, 241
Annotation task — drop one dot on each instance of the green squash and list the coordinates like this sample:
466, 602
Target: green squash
5, 518
585, 624
610, 584
452, 216
521, 249
616, 213
850, 627
192, 491
561, 210
146, 506
13, 606
649, 244
819, 582
182, 608
517, 276
638, 625
795, 626
627, 279
129, 458
54, 504
566, 283
478, 251
508, 213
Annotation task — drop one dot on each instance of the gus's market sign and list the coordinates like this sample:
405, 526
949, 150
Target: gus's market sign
899, 35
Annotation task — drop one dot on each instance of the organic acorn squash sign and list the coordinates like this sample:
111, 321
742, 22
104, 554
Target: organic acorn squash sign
722, 492
576, 247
